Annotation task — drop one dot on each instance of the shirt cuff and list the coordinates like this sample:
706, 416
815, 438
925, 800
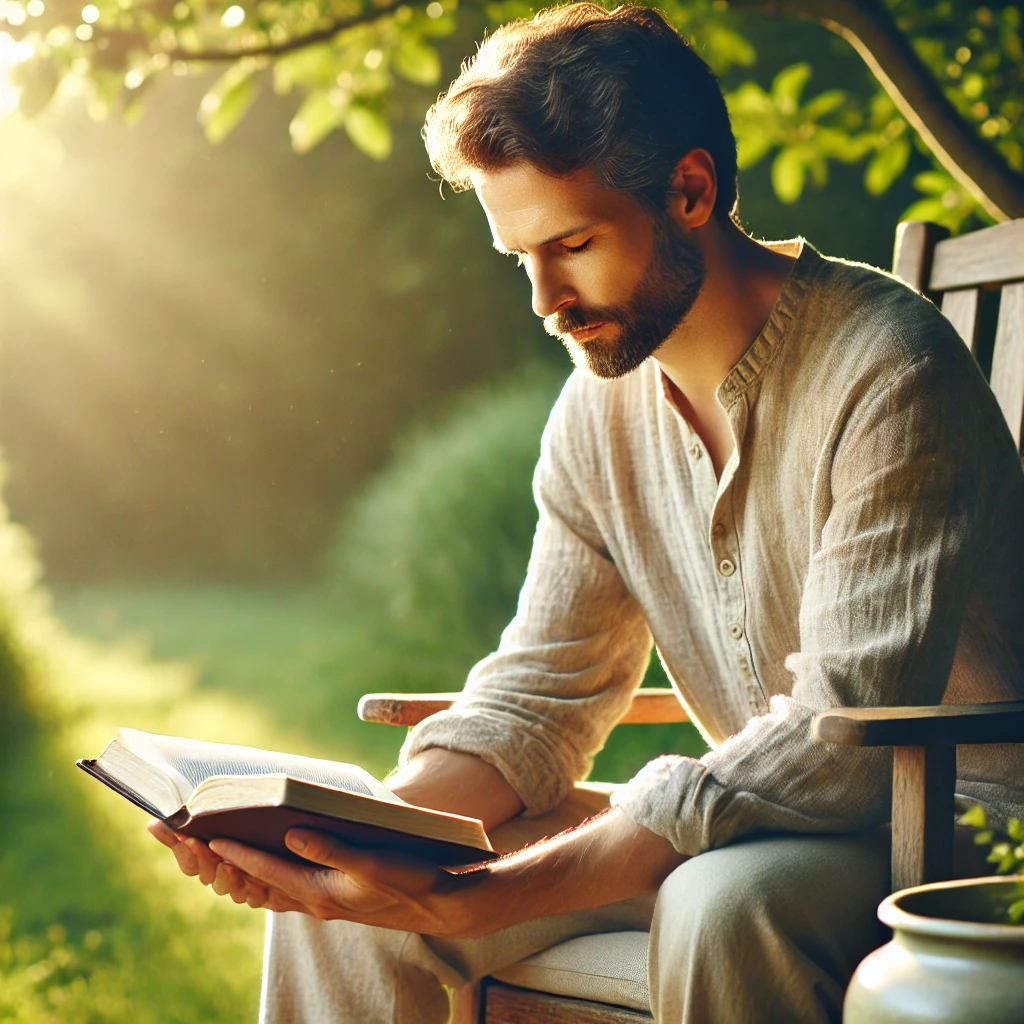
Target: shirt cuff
662, 797
527, 764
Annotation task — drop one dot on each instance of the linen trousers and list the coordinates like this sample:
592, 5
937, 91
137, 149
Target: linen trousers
763, 931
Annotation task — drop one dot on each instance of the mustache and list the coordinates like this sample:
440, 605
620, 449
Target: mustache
576, 318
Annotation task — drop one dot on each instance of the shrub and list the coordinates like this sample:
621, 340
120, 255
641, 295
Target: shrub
436, 546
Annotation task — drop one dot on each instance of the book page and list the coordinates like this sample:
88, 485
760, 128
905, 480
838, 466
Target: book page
193, 761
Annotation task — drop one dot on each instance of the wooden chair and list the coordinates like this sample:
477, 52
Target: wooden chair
978, 279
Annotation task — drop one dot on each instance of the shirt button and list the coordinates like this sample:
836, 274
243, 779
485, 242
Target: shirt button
726, 567
695, 451
735, 630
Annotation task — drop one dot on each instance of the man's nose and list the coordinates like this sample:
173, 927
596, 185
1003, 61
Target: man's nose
551, 292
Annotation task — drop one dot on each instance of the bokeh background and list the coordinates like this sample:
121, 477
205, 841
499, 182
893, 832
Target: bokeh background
269, 422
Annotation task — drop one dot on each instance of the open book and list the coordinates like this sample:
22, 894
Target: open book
218, 791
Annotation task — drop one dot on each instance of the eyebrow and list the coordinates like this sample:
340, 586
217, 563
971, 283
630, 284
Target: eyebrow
547, 241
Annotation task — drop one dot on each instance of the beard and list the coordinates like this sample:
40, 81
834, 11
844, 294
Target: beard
663, 296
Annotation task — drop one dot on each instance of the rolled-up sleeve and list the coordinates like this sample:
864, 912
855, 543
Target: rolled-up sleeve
568, 663
896, 547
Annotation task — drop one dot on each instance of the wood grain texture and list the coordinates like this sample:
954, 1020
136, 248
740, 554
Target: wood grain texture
961, 310
505, 1004
923, 779
1008, 359
912, 255
988, 256
649, 706
468, 1004
998, 722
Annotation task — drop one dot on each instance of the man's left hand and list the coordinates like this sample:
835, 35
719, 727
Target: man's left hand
383, 888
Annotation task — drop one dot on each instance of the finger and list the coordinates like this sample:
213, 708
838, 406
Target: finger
162, 832
256, 895
187, 860
205, 859
275, 872
228, 880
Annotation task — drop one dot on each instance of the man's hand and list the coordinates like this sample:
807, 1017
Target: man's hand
441, 779
603, 861
391, 890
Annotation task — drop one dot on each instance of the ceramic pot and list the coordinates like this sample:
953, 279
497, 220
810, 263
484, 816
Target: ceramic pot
952, 959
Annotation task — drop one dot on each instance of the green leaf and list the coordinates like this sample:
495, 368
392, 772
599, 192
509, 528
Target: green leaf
823, 104
931, 209
788, 85
725, 48
369, 130
1015, 912
1015, 829
227, 102
985, 837
788, 174
838, 145
321, 113
887, 165
417, 61
312, 66
748, 98
933, 183
752, 147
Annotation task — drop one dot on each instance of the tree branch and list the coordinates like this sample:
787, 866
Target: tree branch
870, 29
320, 35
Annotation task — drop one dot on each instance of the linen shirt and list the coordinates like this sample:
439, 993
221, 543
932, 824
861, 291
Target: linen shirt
864, 546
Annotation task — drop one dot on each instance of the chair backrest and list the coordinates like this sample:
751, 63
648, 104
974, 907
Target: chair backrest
978, 280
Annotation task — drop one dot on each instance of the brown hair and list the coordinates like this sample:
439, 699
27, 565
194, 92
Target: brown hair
620, 93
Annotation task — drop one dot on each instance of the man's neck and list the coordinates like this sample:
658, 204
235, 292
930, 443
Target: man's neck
743, 282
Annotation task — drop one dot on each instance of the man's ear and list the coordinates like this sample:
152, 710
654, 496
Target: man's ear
694, 189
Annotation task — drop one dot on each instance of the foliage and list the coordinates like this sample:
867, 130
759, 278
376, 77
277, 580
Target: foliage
438, 542
355, 66
1007, 852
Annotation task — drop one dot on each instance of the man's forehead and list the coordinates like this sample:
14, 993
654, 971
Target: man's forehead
526, 207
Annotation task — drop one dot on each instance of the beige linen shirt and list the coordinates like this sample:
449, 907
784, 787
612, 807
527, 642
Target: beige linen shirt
864, 546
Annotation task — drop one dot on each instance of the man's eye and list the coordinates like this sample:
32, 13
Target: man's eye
582, 247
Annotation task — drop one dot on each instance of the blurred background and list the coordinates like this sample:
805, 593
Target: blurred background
269, 407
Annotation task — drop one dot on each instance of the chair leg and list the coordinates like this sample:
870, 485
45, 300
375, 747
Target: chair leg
923, 779
467, 1004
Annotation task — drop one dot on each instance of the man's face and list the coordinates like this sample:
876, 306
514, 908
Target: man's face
609, 279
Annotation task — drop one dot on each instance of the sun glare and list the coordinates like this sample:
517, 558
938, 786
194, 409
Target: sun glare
12, 53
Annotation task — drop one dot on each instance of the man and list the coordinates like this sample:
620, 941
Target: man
785, 469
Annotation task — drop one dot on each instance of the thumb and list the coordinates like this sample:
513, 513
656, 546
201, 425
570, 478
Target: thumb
372, 867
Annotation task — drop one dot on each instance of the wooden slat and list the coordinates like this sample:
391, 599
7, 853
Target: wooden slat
997, 722
912, 256
961, 310
989, 256
1007, 376
505, 1004
650, 706
923, 779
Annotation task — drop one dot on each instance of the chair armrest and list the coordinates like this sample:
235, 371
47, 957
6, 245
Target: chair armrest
649, 706
997, 722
